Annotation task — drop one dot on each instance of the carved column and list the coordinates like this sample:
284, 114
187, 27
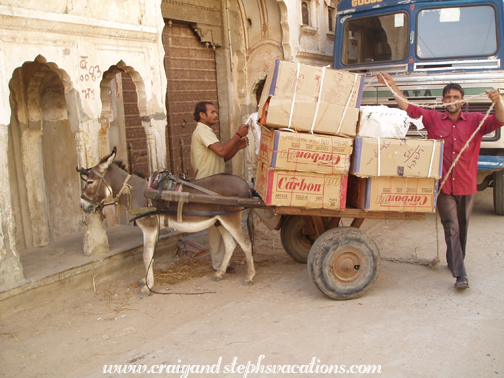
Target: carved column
11, 269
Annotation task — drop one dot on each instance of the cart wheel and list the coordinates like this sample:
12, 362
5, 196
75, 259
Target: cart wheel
498, 192
294, 238
344, 262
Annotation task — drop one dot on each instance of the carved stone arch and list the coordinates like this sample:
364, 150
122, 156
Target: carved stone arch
259, 62
64, 77
41, 142
140, 87
124, 108
284, 22
258, 88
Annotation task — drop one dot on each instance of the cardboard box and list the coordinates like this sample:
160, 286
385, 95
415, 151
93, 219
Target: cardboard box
301, 189
400, 194
304, 152
311, 99
397, 158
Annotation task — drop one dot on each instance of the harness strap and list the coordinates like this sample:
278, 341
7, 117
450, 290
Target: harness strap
124, 187
183, 199
194, 186
186, 213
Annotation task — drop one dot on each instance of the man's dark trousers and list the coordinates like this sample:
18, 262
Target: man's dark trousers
455, 212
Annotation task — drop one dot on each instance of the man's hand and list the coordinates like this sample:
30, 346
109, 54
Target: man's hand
384, 78
493, 95
243, 143
243, 130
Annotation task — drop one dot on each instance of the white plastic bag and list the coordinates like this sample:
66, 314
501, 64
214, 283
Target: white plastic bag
256, 130
384, 122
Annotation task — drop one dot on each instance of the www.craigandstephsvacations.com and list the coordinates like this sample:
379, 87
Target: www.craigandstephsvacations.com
250, 368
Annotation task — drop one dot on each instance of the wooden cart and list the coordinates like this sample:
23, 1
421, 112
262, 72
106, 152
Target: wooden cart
343, 262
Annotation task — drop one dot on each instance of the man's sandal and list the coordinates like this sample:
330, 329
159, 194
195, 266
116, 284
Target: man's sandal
462, 282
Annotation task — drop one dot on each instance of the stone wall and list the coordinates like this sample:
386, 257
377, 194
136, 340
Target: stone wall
78, 77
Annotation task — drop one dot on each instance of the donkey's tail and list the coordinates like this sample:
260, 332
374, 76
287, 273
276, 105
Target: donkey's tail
250, 227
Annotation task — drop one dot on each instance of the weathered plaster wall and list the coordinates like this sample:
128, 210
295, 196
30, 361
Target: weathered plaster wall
77, 41
53, 130
312, 44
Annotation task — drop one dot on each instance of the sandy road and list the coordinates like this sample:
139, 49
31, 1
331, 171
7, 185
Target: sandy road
412, 323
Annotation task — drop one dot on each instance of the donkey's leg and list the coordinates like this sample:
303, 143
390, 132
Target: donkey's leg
232, 224
150, 237
216, 246
230, 245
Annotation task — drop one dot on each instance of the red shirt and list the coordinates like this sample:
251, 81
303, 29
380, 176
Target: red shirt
463, 177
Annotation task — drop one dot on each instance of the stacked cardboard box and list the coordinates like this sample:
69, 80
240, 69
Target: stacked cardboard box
395, 174
305, 152
309, 167
421, 158
303, 170
401, 194
301, 189
311, 99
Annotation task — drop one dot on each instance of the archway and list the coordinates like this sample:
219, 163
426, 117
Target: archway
42, 155
122, 95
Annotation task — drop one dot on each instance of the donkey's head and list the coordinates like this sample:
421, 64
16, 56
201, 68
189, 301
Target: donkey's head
96, 188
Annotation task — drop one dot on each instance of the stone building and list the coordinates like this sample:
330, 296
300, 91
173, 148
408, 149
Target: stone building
78, 77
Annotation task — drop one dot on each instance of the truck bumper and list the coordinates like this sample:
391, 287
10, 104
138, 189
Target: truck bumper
490, 163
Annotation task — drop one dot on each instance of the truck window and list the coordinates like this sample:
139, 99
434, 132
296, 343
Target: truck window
456, 32
375, 39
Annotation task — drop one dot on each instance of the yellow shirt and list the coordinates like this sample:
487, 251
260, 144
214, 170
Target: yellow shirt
204, 161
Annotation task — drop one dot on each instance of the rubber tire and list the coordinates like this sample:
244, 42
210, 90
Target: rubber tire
498, 192
296, 244
358, 248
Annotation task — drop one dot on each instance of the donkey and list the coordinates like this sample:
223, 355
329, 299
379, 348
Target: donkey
107, 180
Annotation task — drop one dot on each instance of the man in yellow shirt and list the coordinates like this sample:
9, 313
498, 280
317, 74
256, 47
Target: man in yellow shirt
208, 156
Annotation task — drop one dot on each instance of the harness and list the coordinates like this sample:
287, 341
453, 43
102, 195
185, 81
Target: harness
125, 189
162, 182
172, 187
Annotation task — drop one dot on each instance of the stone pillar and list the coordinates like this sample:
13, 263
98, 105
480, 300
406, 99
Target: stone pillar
156, 147
31, 150
95, 237
11, 269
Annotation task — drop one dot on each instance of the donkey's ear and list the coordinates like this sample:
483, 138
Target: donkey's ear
107, 160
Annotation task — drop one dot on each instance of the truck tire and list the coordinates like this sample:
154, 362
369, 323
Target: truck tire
343, 263
295, 242
498, 192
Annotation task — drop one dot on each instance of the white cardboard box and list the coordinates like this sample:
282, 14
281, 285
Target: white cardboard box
311, 99
376, 157
305, 152
301, 189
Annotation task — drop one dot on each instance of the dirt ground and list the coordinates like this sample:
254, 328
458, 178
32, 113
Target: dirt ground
412, 322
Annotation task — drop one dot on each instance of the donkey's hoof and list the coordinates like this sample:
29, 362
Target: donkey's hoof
217, 278
144, 292
247, 283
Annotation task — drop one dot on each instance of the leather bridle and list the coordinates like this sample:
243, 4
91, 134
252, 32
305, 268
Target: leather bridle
98, 205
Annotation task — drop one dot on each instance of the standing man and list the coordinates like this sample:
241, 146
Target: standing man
456, 200
208, 156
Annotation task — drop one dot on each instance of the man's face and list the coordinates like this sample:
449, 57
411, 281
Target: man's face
210, 117
451, 96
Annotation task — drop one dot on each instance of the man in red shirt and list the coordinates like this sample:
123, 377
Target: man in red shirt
456, 199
